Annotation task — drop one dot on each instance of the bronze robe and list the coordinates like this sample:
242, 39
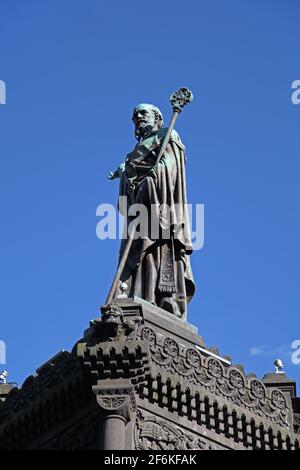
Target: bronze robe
158, 267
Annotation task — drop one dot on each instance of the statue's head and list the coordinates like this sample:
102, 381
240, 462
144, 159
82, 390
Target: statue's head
146, 118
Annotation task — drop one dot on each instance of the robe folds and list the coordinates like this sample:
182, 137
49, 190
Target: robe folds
158, 266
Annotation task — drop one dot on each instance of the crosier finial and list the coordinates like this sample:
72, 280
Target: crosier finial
180, 98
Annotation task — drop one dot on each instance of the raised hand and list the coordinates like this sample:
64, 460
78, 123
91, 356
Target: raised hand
113, 175
117, 173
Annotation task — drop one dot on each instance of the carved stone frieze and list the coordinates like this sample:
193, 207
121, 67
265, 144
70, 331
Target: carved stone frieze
210, 373
154, 433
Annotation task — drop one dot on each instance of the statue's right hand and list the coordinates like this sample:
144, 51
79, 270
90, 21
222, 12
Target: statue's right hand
117, 173
112, 175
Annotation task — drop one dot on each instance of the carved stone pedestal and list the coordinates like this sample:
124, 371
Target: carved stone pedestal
142, 379
187, 397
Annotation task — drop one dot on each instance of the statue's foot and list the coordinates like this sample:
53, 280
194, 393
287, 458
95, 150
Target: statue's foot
170, 305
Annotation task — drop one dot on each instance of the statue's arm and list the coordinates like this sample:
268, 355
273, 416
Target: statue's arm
117, 173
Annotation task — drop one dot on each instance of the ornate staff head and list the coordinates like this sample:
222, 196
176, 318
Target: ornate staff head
180, 98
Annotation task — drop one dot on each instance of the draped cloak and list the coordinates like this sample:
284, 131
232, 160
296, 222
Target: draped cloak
158, 266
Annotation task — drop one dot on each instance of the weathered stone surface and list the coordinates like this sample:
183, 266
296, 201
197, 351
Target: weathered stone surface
5, 390
156, 433
140, 379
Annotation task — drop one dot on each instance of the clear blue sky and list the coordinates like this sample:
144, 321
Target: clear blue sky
74, 69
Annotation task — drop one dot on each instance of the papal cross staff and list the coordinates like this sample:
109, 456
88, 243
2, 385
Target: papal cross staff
178, 100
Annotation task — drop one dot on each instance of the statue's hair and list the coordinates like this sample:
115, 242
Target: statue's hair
155, 110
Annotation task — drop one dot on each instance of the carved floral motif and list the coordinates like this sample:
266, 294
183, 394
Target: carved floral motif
149, 335
236, 379
112, 403
214, 368
210, 373
193, 358
118, 400
171, 347
258, 390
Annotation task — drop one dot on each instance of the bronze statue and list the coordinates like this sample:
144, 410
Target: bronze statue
155, 263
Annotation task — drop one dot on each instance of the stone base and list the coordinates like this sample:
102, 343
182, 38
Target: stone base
141, 378
184, 393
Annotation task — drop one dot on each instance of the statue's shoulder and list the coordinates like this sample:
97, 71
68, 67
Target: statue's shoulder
174, 136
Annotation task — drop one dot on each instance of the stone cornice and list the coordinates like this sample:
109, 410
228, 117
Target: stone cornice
209, 374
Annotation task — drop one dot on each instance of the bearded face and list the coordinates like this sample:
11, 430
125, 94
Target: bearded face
145, 121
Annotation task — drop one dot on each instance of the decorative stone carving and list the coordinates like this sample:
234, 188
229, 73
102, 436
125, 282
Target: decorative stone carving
258, 390
116, 398
278, 399
112, 313
118, 406
153, 433
236, 379
149, 335
171, 347
210, 373
297, 423
114, 360
114, 326
193, 358
215, 369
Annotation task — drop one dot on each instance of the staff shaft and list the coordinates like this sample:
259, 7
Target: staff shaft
121, 266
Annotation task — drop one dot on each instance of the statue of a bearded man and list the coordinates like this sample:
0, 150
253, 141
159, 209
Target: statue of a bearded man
158, 265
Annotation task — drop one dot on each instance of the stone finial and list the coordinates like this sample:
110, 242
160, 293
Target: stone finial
278, 366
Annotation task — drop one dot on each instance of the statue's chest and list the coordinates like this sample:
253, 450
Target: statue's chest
140, 161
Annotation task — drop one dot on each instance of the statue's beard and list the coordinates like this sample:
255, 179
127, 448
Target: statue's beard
143, 129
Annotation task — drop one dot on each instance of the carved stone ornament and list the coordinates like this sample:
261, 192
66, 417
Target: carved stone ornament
210, 373
113, 325
297, 423
112, 313
154, 433
116, 406
117, 401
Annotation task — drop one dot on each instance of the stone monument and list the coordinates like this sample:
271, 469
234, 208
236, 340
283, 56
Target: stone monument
141, 377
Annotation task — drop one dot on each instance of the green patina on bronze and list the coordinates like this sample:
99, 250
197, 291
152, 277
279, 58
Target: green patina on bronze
153, 174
